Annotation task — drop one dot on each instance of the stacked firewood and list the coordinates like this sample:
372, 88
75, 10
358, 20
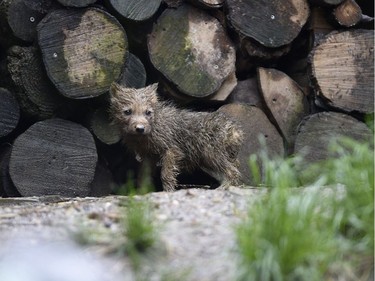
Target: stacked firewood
294, 73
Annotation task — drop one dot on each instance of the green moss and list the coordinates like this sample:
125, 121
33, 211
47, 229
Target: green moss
173, 54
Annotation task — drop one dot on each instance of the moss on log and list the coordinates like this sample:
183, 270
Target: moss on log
83, 50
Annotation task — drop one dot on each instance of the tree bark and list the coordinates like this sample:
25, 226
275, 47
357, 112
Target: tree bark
39, 98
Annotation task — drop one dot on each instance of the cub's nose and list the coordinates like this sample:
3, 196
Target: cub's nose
140, 129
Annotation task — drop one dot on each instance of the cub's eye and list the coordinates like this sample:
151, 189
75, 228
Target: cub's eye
127, 111
148, 112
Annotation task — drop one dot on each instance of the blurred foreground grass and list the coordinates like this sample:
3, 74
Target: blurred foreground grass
324, 232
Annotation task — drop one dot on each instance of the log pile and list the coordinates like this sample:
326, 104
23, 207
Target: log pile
294, 73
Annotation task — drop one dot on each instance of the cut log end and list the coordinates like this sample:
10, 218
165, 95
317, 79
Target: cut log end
53, 157
317, 131
83, 50
191, 49
271, 23
256, 126
343, 69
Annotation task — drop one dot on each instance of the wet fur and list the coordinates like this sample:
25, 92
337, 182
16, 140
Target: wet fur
177, 138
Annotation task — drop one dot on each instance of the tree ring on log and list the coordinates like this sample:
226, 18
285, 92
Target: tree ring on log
271, 23
53, 157
343, 70
191, 49
83, 50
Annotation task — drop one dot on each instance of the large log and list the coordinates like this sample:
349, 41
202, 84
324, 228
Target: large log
102, 127
191, 49
9, 112
343, 70
77, 3
255, 125
285, 101
19, 18
53, 157
83, 50
271, 23
137, 10
38, 97
316, 131
134, 73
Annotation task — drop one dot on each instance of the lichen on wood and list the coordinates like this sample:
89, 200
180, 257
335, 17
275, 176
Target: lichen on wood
191, 49
83, 50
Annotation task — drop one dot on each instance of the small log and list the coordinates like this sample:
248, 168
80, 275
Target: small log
255, 125
191, 49
7, 188
83, 50
263, 54
343, 70
348, 13
134, 73
103, 128
173, 3
284, 99
137, 10
53, 157
246, 92
22, 16
9, 112
271, 23
76, 3
226, 88
208, 4
102, 184
316, 131
326, 2
38, 97
299, 71
319, 25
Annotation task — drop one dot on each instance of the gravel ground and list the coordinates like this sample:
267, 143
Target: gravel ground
195, 226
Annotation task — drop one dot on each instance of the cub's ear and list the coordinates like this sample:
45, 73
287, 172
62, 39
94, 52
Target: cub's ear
115, 88
153, 87
151, 92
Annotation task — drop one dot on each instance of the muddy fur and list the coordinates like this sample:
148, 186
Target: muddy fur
176, 138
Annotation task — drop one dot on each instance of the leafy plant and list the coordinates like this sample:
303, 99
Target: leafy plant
139, 231
294, 234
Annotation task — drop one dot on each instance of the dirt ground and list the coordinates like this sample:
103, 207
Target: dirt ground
195, 229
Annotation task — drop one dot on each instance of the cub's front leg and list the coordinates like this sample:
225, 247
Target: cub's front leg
170, 168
